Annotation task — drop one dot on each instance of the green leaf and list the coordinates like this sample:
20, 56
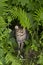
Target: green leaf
2, 23
10, 58
40, 61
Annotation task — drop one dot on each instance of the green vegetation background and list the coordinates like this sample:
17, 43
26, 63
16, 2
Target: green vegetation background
29, 13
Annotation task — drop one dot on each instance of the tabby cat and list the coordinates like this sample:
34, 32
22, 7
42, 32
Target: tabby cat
20, 37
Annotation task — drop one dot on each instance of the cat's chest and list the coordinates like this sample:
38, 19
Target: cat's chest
21, 34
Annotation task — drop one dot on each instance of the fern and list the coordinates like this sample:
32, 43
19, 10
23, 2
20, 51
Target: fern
30, 15
22, 16
40, 59
13, 60
39, 16
2, 6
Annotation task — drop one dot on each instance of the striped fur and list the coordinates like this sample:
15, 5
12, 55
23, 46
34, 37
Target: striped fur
20, 36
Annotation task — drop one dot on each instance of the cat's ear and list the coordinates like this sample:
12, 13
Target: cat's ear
16, 27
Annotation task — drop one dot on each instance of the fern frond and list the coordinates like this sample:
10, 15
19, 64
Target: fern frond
22, 16
2, 6
39, 15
